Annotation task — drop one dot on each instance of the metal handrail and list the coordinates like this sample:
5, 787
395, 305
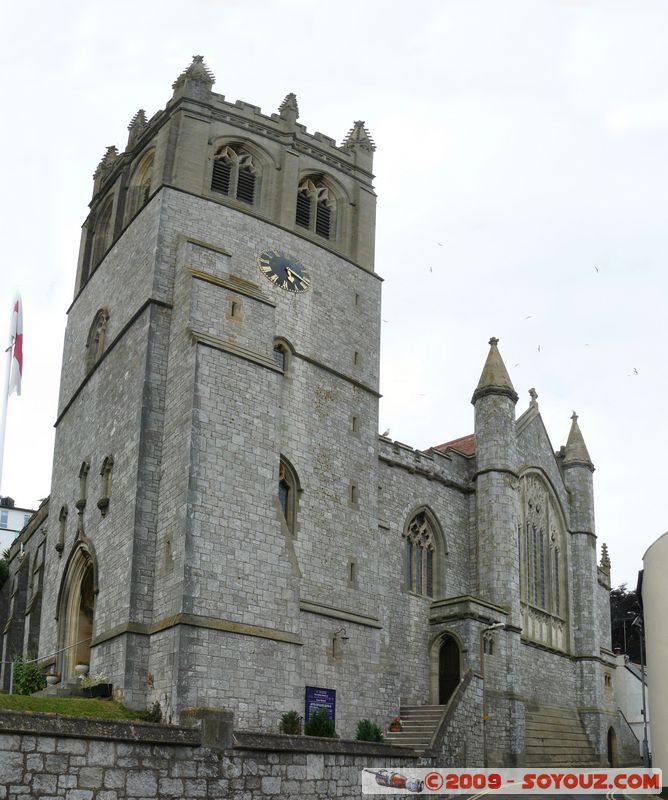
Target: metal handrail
35, 660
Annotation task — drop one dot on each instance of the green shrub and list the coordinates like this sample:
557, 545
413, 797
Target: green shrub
320, 725
368, 731
291, 723
4, 567
28, 678
153, 714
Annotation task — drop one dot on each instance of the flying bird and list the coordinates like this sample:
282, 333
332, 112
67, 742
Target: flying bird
596, 268
440, 244
529, 317
539, 348
635, 370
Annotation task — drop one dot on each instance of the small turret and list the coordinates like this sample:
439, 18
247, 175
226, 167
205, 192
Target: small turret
494, 378
496, 484
575, 451
102, 170
577, 470
289, 110
359, 141
195, 81
605, 558
137, 124
494, 400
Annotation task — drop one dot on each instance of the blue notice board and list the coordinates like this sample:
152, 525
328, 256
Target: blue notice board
316, 698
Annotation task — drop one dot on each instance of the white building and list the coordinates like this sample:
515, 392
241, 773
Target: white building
628, 688
12, 520
652, 590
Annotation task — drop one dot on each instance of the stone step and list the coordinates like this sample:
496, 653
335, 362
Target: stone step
554, 746
69, 689
406, 738
419, 724
554, 724
561, 736
556, 737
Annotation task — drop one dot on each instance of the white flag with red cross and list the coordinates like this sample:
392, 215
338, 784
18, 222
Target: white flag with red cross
17, 347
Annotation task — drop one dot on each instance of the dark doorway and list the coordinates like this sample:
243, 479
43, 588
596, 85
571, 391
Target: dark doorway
612, 747
448, 669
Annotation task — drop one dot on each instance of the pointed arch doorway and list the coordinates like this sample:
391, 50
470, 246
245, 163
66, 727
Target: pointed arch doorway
449, 670
77, 612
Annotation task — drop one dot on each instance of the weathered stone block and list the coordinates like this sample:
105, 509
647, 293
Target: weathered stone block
76, 747
141, 783
90, 777
170, 787
271, 786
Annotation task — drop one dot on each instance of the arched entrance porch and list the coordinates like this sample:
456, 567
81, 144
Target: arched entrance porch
446, 670
76, 612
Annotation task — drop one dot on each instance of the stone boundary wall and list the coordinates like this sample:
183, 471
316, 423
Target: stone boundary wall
48, 757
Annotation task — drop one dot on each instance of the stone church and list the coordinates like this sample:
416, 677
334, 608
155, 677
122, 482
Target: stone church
226, 527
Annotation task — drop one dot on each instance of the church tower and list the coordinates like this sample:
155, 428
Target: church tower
217, 424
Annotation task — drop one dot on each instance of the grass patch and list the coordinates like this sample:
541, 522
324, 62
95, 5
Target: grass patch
67, 706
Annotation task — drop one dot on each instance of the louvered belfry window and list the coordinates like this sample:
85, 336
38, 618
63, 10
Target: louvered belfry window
314, 207
234, 174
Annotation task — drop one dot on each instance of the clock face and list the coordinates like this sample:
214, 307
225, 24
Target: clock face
283, 271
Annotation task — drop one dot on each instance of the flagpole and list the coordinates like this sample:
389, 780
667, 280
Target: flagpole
5, 394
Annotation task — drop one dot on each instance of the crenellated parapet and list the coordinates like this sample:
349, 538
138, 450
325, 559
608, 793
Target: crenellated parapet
266, 165
448, 469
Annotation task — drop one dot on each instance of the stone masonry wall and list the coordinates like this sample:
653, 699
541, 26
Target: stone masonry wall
49, 757
459, 743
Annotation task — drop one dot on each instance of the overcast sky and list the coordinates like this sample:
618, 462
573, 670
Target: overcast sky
522, 167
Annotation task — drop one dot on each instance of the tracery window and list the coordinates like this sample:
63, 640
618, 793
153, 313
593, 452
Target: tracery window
542, 556
315, 207
419, 556
102, 232
234, 174
140, 187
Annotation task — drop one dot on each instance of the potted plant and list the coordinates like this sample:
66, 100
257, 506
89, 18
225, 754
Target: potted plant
395, 725
81, 668
96, 685
52, 678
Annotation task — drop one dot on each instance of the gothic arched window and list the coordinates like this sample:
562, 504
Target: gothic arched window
315, 207
419, 555
288, 487
96, 339
140, 187
234, 174
543, 560
102, 232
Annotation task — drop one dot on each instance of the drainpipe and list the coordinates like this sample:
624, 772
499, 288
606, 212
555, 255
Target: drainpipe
485, 635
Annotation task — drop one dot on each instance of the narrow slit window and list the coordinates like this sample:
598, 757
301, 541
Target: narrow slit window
279, 356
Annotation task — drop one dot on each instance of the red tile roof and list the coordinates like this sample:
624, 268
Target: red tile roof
464, 445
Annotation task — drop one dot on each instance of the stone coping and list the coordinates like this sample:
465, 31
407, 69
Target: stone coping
42, 724
248, 740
